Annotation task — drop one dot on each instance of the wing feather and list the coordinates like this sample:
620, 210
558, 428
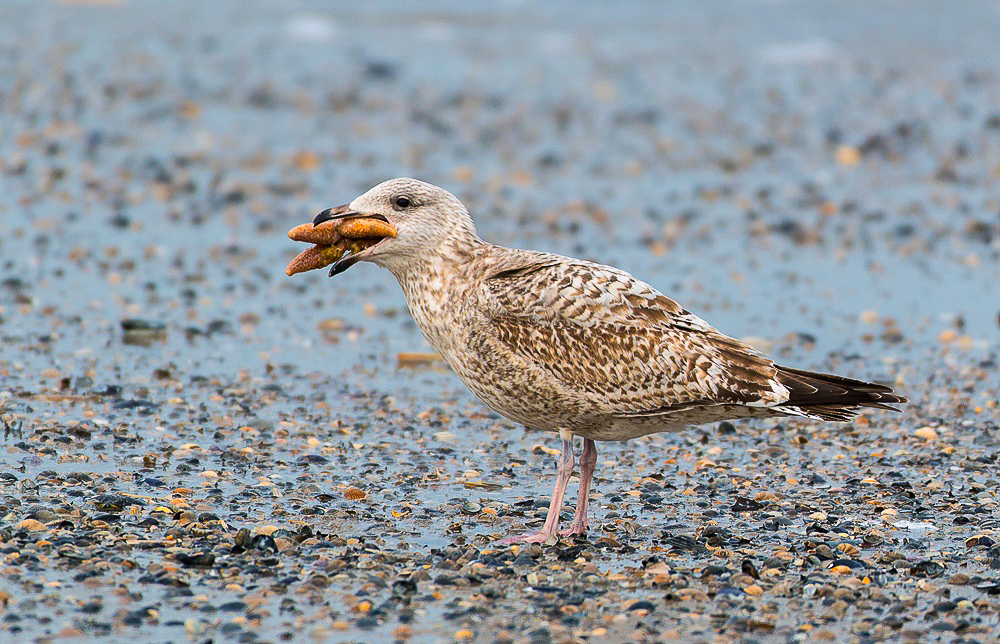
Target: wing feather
615, 339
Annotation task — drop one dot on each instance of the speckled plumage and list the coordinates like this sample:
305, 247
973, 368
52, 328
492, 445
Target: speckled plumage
575, 347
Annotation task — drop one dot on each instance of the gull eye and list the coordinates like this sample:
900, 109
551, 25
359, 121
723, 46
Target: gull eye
401, 201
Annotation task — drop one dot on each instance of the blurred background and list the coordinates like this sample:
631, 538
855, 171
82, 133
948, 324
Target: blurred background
826, 170
820, 179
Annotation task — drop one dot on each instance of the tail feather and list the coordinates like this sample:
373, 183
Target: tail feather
829, 397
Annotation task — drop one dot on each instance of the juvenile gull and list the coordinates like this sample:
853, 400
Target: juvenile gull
571, 346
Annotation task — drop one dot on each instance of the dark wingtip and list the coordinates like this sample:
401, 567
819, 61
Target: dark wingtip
829, 396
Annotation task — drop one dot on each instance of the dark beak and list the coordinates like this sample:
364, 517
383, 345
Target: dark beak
342, 212
342, 264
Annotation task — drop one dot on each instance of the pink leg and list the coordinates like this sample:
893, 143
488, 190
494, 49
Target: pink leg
588, 461
566, 461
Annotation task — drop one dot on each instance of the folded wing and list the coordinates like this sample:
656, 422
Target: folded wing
635, 352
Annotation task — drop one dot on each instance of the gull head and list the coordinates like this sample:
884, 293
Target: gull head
428, 220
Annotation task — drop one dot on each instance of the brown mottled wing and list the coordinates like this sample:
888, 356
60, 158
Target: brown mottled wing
621, 343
